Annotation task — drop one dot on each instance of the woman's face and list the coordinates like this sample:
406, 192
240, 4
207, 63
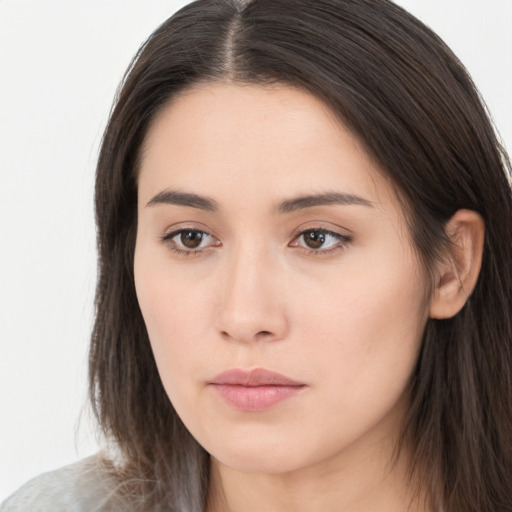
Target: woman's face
268, 240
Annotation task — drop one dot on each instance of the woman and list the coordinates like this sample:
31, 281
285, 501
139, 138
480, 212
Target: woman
304, 223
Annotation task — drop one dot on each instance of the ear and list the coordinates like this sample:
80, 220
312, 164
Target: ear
458, 272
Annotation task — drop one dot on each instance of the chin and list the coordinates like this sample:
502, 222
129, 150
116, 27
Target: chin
266, 456
258, 464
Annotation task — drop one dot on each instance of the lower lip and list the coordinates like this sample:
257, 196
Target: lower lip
255, 398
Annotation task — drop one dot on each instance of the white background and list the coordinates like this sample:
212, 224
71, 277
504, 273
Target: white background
60, 63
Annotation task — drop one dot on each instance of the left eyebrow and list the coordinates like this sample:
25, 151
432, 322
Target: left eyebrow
331, 198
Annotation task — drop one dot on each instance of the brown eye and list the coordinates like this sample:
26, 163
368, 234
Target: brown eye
314, 239
191, 239
321, 241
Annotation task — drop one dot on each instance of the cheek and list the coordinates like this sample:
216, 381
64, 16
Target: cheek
365, 325
376, 296
176, 316
172, 333
161, 295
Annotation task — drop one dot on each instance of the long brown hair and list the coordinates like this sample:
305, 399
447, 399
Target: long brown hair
398, 87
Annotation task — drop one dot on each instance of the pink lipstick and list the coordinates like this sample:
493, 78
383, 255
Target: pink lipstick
254, 390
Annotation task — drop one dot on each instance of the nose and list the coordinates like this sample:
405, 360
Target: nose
252, 299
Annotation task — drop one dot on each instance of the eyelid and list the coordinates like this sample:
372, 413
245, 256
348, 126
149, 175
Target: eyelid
192, 225
322, 226
340, 234
176, 229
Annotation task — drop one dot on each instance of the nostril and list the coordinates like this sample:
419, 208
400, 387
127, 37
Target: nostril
244, 337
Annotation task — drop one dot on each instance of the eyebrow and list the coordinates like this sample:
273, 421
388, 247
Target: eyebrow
330, 198
184, 199
288, 206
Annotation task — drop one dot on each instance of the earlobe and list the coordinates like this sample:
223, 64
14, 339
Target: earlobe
458, 272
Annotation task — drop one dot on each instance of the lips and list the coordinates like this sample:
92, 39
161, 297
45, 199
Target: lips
254, 390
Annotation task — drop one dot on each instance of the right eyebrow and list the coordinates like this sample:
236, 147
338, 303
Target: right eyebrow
184, 199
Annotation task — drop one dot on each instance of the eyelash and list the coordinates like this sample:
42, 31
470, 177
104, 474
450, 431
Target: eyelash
342, 241
168, 240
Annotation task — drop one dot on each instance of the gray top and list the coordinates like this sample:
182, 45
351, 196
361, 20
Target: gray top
80, 487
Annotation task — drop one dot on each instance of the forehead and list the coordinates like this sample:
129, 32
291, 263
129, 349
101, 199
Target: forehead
244, 141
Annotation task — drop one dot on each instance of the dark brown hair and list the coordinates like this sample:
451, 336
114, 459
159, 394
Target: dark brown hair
398, 87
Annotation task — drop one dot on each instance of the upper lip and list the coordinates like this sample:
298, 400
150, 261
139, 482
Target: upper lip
254, 377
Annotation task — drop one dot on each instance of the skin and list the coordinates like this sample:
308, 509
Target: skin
344, 318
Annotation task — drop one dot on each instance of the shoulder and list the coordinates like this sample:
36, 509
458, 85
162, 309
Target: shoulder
80, 487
